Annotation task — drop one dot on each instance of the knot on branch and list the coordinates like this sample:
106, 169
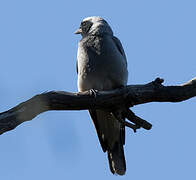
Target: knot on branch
158, 82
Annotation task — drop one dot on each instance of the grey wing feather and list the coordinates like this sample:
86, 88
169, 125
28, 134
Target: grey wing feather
77, 66
109, 130
93, 114
119, 47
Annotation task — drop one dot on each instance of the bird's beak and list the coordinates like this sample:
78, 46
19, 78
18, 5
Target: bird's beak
78, 31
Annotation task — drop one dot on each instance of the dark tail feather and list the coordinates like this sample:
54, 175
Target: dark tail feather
117, 159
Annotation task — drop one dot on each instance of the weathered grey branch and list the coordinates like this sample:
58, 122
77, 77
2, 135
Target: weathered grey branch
126, 97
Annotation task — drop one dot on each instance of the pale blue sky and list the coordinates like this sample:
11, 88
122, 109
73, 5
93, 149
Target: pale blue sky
38, 53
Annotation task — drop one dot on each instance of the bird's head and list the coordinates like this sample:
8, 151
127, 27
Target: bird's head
94, 26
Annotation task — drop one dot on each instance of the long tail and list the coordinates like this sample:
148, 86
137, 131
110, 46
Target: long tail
117, 159
112, 138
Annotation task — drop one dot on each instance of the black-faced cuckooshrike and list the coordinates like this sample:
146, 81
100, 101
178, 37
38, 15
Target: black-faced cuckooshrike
102, 65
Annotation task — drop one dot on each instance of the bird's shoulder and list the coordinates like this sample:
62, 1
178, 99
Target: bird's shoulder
98, 43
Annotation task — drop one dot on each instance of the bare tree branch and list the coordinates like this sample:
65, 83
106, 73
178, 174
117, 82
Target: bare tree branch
109, 100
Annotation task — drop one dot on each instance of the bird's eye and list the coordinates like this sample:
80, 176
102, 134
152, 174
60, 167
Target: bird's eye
83, 23
85, 26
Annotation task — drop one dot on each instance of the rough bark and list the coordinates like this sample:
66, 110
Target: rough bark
109, 100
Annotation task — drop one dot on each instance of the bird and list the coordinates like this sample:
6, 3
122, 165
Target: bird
102, 65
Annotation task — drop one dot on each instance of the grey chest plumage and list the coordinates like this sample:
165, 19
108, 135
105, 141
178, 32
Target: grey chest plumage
101, 65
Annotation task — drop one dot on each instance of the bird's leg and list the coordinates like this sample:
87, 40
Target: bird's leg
119, 116
136, 120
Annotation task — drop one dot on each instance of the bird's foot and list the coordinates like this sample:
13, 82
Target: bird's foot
93, 92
